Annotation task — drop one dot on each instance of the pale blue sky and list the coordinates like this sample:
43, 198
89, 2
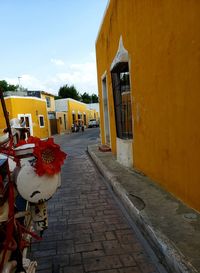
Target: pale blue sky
49, 43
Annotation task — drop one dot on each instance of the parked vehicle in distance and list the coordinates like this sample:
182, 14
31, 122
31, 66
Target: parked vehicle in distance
93, 123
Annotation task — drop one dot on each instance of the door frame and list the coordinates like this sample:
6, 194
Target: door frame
106, 111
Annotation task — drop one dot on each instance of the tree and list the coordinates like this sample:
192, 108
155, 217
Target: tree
69, 92
7, 87
94, 98
86, 98
57, 97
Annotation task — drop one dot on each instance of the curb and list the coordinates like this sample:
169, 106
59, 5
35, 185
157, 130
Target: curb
164, 249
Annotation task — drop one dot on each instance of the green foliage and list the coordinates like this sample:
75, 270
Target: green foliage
86, 98
7, 87
57, 97
69, 92
94, 98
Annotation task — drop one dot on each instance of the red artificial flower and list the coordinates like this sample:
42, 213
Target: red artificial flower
49, 157
31, 139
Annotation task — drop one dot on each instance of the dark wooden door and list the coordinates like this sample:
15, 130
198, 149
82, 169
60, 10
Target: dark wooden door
53, 126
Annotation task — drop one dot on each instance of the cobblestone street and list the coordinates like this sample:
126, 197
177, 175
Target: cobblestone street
87, 231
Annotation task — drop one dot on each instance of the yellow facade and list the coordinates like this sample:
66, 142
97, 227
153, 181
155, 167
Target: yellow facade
162, 39
62, 121
50, 104
76, 110
33, 109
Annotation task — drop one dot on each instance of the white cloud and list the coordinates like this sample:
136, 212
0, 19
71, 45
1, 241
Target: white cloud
57, 62
28, 81
81, 75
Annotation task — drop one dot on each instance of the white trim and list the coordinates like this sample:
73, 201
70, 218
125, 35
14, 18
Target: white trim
104, 77
69, 99
126, 93
132, 98
39, 121
121, 55
20, 97
30, 121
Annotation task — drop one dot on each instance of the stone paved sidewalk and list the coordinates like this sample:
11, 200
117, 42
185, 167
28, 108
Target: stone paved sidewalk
87, 231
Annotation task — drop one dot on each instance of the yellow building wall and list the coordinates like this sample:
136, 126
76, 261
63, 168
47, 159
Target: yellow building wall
27, 105
62, 128
76, 108
163, 41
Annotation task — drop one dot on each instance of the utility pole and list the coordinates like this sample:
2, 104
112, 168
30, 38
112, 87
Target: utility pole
19, 82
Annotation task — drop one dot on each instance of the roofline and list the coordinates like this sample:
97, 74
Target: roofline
46, 93
20, 97
68, 99
104, 15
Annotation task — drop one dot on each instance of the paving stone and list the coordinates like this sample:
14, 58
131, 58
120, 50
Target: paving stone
128, 260
88, 247
107, 271
92, 254
89, 212
73, 269
98, 237
82, 238
87, 232
65, 247
129, 270
44, 245
99, 226
75, 259
61, 260
113, 247
101, 263
110, 235
83, 219
46, 253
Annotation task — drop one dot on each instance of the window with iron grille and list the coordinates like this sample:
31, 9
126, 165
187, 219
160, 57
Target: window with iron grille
122, 100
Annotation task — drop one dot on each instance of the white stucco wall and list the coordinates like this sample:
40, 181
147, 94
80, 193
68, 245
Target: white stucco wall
61, 105
124, 152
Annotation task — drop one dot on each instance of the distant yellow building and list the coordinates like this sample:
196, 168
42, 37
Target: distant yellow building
149, 90
57, 122
52, 121
76, 111
32, 110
